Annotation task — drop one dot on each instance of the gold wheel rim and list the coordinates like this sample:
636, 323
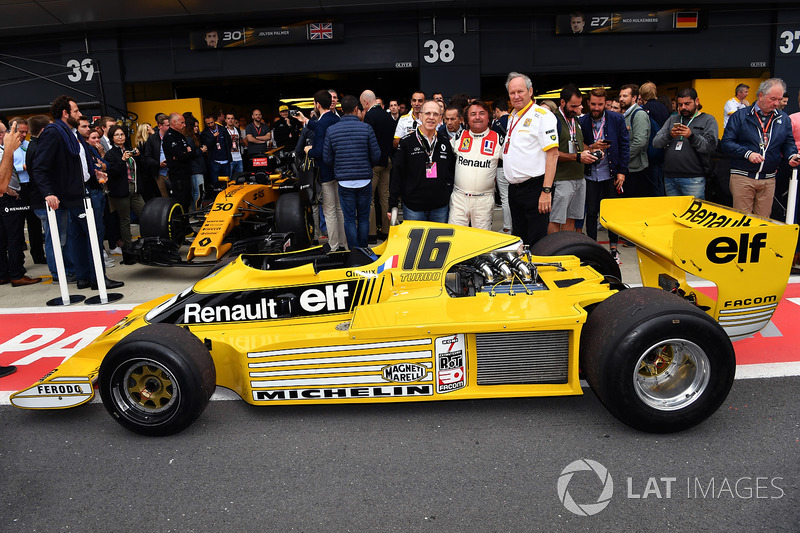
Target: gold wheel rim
150, 387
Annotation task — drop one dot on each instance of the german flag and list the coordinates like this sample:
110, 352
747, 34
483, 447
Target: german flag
686, 19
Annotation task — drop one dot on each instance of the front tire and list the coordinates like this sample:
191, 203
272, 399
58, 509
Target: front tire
658, 363
163, 218
292, 216
157, 380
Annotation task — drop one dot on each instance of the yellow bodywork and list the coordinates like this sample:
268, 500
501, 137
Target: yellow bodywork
747, 257
392, 329
232, 206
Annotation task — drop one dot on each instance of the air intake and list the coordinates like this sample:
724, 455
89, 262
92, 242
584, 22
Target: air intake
524, 357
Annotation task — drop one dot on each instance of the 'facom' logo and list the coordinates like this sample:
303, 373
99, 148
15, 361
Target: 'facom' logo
585, 509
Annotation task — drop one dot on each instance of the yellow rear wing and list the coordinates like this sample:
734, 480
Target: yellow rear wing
746, 256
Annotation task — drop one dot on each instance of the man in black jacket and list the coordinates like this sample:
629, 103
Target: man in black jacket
61, 168
218, 141
423, 170
12, 216
178, 156
383, 126
154, 157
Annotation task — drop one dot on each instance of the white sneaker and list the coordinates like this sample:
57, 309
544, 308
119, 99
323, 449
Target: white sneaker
108, 260
116, 251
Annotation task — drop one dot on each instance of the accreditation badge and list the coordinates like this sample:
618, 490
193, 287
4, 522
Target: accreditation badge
430, 170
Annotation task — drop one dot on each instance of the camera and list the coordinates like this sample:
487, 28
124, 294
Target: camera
598, 154
293, 112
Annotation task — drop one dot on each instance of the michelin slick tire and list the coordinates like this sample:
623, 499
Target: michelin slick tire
163, 218
157, 380
658, 363
583, 247
292, 216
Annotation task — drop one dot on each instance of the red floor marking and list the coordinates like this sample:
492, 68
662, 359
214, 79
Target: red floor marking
782, 349
55, 328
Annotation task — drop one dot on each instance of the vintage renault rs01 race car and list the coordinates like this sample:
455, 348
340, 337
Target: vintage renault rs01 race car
257, 212
440, 312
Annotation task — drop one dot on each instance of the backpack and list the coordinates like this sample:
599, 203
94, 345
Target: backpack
654, 155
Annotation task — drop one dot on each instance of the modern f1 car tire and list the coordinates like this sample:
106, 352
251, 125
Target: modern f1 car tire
657, 362
163, 218
583, 247
157, 380
292, 216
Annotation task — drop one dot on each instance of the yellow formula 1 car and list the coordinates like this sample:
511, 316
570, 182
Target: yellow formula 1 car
256, 212
441, 312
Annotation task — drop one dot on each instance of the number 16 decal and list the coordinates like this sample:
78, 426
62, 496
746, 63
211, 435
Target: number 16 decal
434, 252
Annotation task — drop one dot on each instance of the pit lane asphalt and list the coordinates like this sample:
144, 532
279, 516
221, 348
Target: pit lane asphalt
454, 466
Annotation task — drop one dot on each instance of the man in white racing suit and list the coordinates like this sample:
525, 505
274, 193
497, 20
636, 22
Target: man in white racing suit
478, 150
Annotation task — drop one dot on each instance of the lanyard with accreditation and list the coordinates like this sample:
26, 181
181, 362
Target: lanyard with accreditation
511, 126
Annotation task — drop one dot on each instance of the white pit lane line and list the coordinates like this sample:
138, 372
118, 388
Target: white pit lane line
754, 371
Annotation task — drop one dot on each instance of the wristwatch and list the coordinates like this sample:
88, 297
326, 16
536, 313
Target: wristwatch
547, 190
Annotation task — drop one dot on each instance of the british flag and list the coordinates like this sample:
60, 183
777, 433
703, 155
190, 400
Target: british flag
320, 31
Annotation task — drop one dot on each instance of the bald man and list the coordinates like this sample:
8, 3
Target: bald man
384, 128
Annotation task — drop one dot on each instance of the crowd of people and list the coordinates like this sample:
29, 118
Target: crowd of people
546, 165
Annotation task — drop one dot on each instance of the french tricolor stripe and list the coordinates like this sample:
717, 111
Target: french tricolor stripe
390, 263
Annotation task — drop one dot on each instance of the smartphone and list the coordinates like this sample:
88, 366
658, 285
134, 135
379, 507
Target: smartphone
293, 113
607, 141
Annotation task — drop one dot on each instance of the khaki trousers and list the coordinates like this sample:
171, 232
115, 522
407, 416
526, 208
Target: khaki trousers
751, 195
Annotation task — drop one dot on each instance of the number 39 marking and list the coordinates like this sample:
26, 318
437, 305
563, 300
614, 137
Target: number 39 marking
791, 41
78, 67
444, 51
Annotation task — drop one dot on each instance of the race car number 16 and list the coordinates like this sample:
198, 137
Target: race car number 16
434, 252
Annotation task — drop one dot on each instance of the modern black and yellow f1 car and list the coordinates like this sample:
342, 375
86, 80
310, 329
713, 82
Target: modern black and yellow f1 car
261, 211
440, 312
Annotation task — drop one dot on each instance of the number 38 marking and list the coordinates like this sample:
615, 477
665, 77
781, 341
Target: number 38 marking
444, 51
791, 41
434, 252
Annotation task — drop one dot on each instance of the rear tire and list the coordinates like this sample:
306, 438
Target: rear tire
658, 363
589, 251
163, 218
157, 380
292, 216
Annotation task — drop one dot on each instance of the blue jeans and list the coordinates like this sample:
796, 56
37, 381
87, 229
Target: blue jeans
237, 166
215, 170
434, 215
197, 181
99, 210
355, 210
686, 187
62, 220
78, 236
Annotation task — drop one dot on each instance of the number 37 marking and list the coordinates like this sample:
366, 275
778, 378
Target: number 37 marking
791, 41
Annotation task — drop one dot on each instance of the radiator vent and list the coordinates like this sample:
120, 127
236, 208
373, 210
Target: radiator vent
522, 357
